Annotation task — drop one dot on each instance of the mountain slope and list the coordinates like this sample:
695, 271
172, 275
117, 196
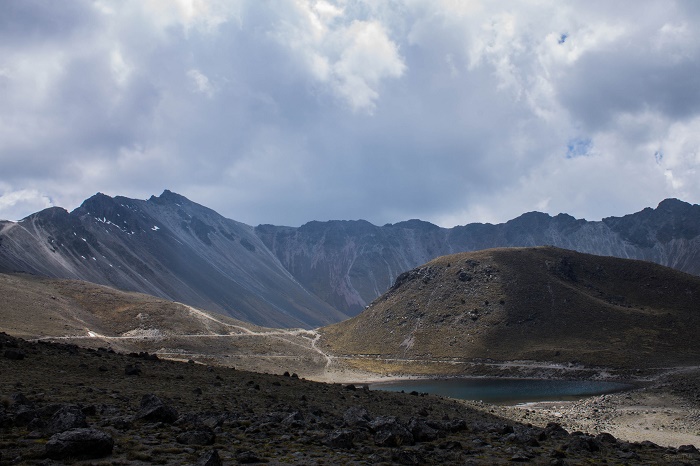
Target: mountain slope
168, 247
349, 264
96, 316
313, 275
542, 304
35, 307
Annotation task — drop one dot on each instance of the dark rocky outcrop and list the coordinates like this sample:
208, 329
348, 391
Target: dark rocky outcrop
153, 409
210, 458
197, 437
356, 416
79, 443
343, 438
390, 432
66, 418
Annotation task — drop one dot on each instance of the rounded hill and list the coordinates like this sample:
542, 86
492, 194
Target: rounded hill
537, 304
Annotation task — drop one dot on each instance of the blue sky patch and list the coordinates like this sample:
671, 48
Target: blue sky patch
658, 156
578, 147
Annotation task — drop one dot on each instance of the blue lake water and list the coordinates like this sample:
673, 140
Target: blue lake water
505, 391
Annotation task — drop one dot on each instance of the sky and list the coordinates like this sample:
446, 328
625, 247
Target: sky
287, 111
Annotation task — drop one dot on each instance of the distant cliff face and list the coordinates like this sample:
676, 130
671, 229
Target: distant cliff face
319, 273
349, 264
166, 246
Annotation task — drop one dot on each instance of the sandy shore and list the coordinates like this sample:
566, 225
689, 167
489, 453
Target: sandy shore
665, 411
662, 418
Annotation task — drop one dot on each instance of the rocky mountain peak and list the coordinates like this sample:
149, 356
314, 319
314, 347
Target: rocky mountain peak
50, 213
169, 197
416, 224
95, 204
673, 205
530, 220
148, 245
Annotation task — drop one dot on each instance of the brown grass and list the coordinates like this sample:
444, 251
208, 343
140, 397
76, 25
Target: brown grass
543, 304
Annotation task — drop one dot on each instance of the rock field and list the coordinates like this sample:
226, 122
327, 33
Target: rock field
61, 404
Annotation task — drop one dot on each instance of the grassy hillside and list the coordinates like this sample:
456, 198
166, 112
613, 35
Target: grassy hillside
543, 304
95, 316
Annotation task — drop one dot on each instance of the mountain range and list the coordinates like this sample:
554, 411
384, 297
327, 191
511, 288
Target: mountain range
313, 275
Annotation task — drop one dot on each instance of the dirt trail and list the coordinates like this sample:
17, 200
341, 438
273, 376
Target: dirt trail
302, 338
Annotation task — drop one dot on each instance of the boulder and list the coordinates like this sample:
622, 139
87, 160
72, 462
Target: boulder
555, 430
20, 399
582, 443
247, 457
389, 432
155, 410
197, 437
132, 370
356, 416
421, 431
80, 443
605, 437
342, 438
24, 415
66, 418
210, 458
296, 419
688, 449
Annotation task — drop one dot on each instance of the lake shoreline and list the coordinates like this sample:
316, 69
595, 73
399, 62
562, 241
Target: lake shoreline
663, 406
665, 411
506, 390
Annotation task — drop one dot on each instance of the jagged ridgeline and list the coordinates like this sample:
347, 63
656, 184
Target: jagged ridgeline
167, 247
350, 263
542, 304
313, 275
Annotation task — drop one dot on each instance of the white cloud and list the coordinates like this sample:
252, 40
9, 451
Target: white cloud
352, 57
120, 69
15, 204
367, 58
201, 83
680, 157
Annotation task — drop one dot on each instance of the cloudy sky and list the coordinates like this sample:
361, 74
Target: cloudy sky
285, 111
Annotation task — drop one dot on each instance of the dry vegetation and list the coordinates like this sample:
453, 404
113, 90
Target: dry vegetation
534, 304
95, 316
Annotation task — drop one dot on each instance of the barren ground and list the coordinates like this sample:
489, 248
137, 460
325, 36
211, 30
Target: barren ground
664, 411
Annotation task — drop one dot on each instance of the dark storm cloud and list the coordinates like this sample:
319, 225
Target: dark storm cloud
600, 87
27, 22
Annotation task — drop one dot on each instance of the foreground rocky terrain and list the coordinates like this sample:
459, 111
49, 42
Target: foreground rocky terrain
64, 404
